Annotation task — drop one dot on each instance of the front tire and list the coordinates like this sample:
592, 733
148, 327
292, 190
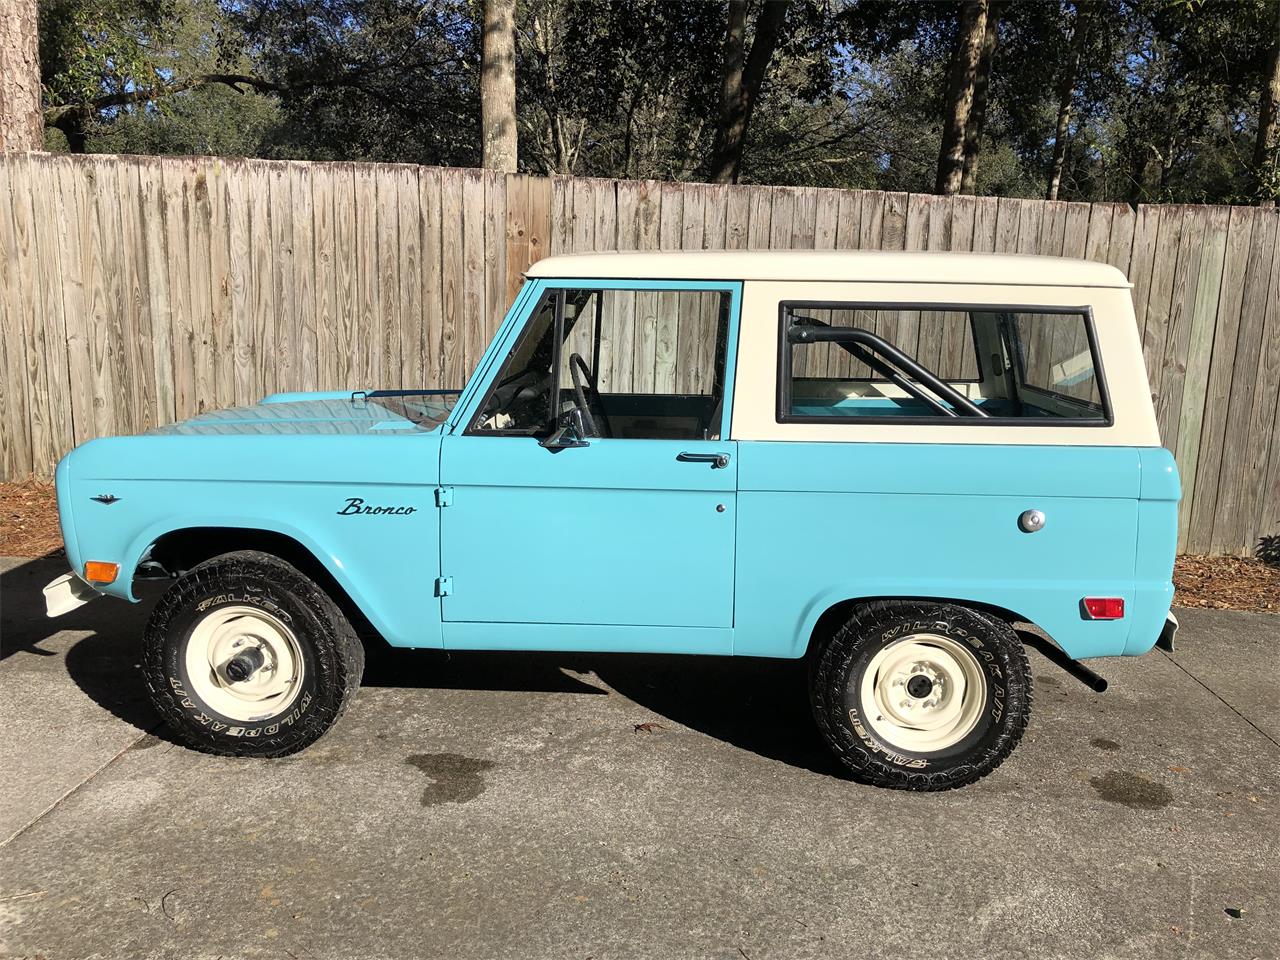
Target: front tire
246, 656
921, 696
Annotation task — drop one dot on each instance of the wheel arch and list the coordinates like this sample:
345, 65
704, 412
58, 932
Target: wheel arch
180, 549
829, 619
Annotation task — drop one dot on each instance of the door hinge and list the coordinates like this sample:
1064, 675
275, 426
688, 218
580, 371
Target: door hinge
444, 586
444, 496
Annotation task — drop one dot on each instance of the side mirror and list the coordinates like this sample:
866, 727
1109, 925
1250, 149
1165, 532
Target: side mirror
570, 431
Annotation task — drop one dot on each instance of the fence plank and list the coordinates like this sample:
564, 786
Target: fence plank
433, 258
1120, 237
1199, 351
494, 266
388, 365
606, 214
666, 327
240, 267
1075, 230
472, 317
758, 222
346, 279
1259, 510
98, 262
1173, 360
688, 312
1053, 228
155, 254
263, 328
305, 277
1223, 333
283, 357
409, 255
24, 394
1160, 296
452, 370
1007, 223
985, 219
368, 335
325, 261
30, 340
893, 227
625, 347
1030, 220
193, 344
781, 217
1230, 527
39, 181
737, 218
1142, 262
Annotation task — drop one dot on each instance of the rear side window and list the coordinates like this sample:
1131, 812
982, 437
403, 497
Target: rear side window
863, 362
1055, 357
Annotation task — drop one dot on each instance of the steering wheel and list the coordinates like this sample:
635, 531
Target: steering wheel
589, 397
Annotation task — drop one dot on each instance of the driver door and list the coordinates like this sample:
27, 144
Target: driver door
626, 517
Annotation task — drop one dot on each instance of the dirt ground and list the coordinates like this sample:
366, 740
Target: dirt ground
28, 519
29, 528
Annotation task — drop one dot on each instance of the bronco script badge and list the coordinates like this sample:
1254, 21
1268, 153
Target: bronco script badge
355, 505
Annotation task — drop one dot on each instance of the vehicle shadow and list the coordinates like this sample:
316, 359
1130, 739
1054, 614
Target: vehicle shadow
753, 704
103, 663
756, 705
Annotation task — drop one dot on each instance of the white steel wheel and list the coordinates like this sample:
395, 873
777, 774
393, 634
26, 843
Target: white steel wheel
923, 693
244, 663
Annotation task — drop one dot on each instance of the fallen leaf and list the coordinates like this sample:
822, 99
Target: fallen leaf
1179, 770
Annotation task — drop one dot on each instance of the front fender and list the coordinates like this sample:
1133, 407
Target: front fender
386, 561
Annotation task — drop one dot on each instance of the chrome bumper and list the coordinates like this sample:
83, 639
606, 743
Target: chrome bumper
67, 593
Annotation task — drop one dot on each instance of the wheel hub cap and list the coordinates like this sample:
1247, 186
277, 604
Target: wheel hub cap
923, 693
244, 663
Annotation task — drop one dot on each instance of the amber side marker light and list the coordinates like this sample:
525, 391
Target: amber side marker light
99, 571
1103, 608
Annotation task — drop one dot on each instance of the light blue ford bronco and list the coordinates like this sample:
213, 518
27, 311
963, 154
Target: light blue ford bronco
895, 465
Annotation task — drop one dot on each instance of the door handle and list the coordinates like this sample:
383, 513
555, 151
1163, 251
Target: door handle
718, 461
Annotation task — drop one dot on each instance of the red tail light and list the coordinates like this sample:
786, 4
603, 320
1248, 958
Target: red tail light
1104, 608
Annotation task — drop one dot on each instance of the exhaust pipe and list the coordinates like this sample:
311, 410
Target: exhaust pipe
1074, 667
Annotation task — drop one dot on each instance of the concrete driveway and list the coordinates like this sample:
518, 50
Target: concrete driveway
495, 806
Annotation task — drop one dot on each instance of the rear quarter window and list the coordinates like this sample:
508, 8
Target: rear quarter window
872, 362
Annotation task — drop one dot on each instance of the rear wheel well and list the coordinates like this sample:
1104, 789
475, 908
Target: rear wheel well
178, 551
838, 613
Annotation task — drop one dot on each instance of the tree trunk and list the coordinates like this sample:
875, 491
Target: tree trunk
498, 85
1266, 152
964, 70
743, 74
1066, 94
21, 120
978, 113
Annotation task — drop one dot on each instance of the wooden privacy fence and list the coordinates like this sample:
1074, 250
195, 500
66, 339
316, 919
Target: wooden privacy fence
135, 291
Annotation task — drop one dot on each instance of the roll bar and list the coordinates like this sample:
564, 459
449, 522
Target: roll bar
887, 360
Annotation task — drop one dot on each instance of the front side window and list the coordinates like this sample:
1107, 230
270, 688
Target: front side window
638, 364
868, 362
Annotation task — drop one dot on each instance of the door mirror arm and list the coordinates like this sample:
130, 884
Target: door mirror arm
570, 432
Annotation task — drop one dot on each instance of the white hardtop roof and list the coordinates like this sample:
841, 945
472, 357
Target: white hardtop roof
876, 266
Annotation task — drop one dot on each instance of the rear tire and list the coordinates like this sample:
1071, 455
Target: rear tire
246, 656
921, 696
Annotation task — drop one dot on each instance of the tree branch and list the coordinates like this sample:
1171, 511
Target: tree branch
53, 115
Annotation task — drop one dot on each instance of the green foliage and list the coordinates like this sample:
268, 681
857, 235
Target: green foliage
1164, 104
207, 121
